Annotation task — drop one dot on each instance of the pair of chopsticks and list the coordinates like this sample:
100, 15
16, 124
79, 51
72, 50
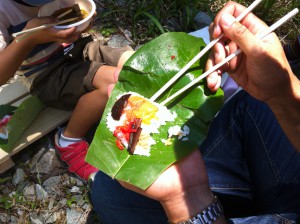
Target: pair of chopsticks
210, 45
44, 27
201, 53
51, 24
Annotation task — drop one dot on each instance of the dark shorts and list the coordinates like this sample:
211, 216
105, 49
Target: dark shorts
67, 79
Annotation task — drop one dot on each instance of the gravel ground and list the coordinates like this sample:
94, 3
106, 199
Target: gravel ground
39, 189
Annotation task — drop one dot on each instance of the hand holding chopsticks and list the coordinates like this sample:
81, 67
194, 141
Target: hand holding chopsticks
268, 31
75, 9
201, 53
44, 26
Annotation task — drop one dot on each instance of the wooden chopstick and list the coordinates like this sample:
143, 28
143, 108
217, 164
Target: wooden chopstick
195, 81
65, 13
44, 26
201, 53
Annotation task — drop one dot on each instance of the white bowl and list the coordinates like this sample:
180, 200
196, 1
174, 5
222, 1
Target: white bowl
87, 5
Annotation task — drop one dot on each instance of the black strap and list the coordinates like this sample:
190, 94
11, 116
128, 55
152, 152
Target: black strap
23, 3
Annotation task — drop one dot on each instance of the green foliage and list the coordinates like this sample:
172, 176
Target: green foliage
5, 179
21, 119
272, 10
5, 202
8, 201
71, 201
148, 19
106, 32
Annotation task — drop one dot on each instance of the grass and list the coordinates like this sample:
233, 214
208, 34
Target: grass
271, 10
148, 19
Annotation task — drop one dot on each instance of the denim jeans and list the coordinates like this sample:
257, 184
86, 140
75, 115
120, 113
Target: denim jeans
251, 165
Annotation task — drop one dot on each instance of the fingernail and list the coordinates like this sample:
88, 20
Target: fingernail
212, 77
216, 27
217, 30
227, 20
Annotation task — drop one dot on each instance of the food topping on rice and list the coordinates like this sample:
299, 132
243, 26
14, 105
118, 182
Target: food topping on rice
176, 131
133, 119
3, 126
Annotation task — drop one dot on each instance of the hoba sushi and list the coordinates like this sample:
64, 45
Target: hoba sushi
133, 119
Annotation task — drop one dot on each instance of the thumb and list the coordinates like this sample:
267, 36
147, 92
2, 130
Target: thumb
110, 89
238, 33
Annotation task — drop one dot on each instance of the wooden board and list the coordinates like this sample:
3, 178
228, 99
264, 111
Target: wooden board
13, 92
46, 121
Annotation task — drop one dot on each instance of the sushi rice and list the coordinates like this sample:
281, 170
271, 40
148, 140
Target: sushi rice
162, 116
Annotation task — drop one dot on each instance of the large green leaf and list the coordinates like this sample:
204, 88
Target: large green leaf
6, 110
22, 117
145, 73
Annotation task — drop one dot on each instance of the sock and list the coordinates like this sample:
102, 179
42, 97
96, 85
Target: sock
66, 141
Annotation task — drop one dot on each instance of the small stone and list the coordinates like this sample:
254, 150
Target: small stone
118, 40
45, 161
11, 194
36, 219
72, 180
4, 218
14, 220
63, 202
87, 206
50, 217
21, 186
29, 191
75, 189
74, 216
18, 177
6, 190
51, 204
79, 200
79, 182
41, 194
20, 212
52, 184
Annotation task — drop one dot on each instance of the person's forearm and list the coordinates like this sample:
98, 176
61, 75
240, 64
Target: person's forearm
189, 205
12, 57
287, 112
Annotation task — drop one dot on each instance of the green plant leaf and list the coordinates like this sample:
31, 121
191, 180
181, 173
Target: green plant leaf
6, 110
155, 21
145, 73
21, 119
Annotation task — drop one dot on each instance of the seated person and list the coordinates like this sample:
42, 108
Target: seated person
62, 69
250, 159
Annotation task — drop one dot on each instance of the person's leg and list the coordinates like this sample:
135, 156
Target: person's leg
249, 160
91, 105
124, 57
70, 141
115, 204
